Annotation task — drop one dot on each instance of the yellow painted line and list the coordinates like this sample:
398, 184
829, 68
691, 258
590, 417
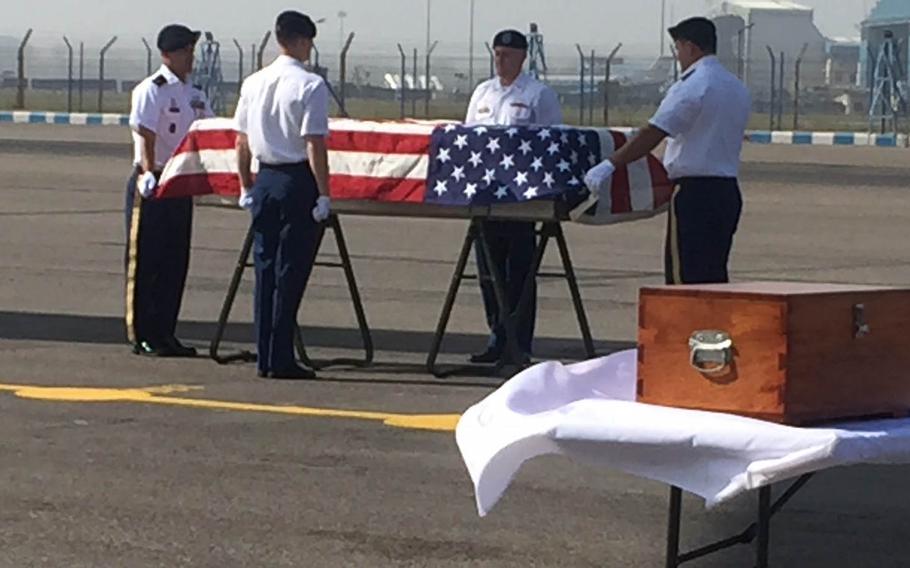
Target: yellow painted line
153, 395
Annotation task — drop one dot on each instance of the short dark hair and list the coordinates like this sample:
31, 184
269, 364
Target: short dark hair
292, 25
700, 31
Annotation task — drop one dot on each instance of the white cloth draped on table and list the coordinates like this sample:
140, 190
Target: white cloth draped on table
588, 412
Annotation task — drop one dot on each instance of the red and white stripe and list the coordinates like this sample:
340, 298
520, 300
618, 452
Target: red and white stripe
376, 161
204, 163
379, 161
641, 189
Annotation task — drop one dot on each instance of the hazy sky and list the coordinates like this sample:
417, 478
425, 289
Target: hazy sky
593, 23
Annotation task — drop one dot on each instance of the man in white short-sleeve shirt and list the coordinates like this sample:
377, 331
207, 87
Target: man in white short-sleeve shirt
511, 98
282, 122
163, 107
704, 115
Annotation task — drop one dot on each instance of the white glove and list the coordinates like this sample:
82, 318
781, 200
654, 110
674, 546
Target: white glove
246, 198
147, 184
323, 209
598, 178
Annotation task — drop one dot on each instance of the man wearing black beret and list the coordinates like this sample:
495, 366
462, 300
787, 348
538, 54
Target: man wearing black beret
512, 98
164, 106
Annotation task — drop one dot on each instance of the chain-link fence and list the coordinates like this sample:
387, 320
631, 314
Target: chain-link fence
597, 85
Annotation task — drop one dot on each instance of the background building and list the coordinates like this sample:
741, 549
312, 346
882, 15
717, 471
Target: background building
746, 28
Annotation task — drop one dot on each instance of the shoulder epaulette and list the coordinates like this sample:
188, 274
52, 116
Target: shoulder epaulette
160, 81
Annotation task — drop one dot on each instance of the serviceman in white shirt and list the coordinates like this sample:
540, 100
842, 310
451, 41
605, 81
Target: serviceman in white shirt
282, 121
705, 115
512, 98
158, 231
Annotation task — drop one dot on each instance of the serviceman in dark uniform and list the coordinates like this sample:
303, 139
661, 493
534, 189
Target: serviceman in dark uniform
158, 231
282, 121
705, 115
512, 98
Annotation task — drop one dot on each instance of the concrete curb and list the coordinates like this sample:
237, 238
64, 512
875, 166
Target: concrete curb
81, 119
827, 138
754, 136
814, 138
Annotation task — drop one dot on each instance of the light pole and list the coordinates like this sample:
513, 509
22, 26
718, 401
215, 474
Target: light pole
471, 50
663, 26
741, 48
428, 26
341, 16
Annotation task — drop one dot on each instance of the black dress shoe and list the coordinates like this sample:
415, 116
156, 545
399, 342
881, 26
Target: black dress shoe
294, 373
146, 349
262, 374
173, 348
523, 360
491, 355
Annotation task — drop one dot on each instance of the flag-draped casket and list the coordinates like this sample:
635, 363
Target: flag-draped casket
443, 164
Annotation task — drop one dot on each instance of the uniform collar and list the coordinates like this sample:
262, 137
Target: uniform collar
166, 72
705, 61
287, 60
519, 84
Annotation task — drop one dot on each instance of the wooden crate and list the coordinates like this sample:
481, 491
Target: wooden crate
801, 353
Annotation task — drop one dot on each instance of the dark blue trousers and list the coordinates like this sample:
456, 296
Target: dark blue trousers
704, 216
512, 244
284, 251
158, 240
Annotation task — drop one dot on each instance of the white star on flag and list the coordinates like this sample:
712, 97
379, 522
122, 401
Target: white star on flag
574, 182
490, 176
480, 130
531, 193
458, 173
470, 190
508, 161
564, 166
564, 138
493, 145
512, 132
537, 164
449, 128
461, 141
521, 178
582, 140
544, 134
444, 156
441, 187
525, 148
548, 180
592, 160
553, 149
503, 191
476, 159
574, 157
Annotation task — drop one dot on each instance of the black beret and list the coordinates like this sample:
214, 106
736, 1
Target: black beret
700, 31
294, 24
175, 36
511, 38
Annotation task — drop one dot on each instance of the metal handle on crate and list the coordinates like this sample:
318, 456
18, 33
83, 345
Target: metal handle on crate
860, 328
711, 351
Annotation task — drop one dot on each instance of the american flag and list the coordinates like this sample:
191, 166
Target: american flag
480, 165
442, 163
